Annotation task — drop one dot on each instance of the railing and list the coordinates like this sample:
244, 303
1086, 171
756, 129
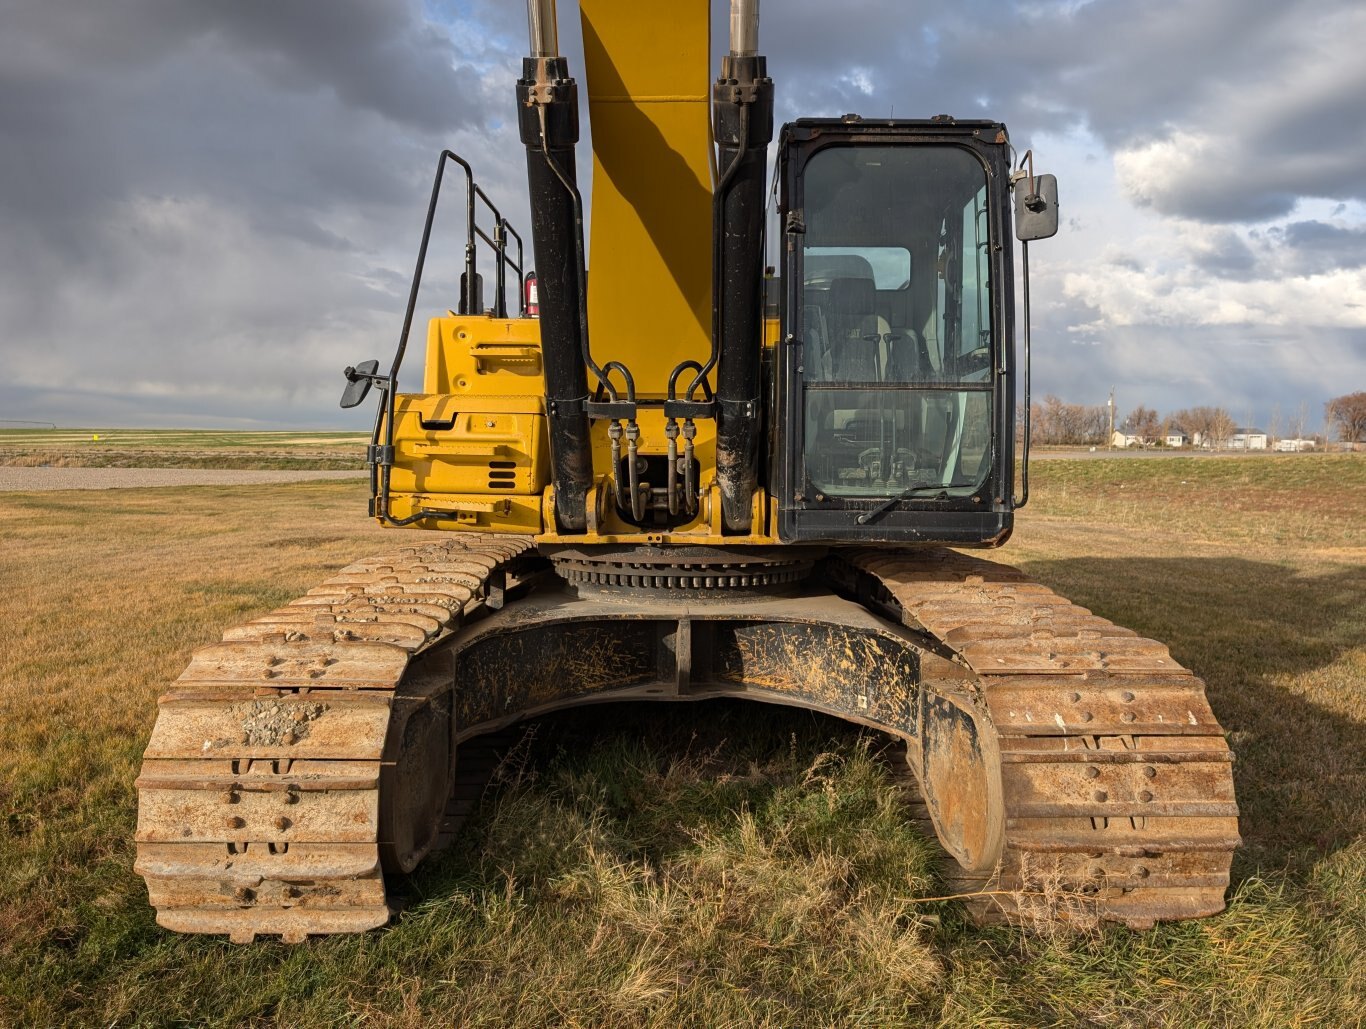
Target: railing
381, 455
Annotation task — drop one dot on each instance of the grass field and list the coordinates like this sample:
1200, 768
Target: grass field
696, 865
182, 448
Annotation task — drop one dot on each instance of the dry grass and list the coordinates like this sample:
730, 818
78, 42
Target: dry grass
177, 448
712, 865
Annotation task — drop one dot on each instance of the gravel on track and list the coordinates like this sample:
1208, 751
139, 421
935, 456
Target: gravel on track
17, 479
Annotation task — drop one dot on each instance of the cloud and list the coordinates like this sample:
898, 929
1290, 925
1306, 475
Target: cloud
1124, 297
1180, 175
210, 207
1317, 246
375, 55
1247, 149
1225, 111
207, 208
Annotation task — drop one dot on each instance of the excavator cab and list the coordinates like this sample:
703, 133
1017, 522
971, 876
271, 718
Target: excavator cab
895, 399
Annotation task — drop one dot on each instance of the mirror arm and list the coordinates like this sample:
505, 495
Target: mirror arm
1023, 498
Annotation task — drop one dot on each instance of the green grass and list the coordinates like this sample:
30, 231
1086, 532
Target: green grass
716, 864
1281, 499
182, 448
199, 439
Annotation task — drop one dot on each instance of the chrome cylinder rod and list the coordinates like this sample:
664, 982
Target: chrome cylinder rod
545, 37
744, 28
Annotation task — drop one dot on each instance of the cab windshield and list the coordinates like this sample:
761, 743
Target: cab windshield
896, 316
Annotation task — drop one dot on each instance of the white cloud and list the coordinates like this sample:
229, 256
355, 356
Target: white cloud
1123, 296
861, 79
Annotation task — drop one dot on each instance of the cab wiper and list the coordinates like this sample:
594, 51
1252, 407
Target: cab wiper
906, 494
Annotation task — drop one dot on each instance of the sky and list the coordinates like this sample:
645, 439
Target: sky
209, 208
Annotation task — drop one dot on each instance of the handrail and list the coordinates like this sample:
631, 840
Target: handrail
508, 230
382, 457
498, 242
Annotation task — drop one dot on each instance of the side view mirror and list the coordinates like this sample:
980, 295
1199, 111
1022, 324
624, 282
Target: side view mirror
358, 380
1036, 211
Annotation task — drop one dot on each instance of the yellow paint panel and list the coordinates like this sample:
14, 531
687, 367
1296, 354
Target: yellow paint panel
478, 356
441, 447
649, 284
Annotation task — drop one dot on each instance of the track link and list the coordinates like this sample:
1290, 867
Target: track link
1115, 775
259, 806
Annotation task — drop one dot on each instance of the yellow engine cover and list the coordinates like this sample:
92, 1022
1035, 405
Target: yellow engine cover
474, 443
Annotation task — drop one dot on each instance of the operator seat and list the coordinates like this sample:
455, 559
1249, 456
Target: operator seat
858, 334
847, 341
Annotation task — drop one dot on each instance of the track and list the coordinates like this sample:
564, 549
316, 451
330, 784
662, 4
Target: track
259, 804
1116, 782
1073, 769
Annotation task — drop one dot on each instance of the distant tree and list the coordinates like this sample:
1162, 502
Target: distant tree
1051, 420
1095, 424
1199, 422
1058, 422
1301, 419
1347, 414
1144, 423
1221, 428
1070, 417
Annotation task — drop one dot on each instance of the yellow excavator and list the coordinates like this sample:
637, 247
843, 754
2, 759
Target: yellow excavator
740, 457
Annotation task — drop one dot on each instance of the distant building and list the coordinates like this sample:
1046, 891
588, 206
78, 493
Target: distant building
1294, 446
1124, 439
1248, 439
1176, 438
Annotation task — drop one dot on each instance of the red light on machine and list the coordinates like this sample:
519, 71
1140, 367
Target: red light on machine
531, 298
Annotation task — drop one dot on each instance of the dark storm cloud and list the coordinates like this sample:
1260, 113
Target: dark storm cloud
375, 55
257, 102
1236, 107
1317, 246
198, 196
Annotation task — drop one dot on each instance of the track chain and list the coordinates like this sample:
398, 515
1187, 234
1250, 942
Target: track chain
259, 795
1116, 776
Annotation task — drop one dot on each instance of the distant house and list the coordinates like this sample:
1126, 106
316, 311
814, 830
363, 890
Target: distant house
1176, 438
1294, 446
1124, 439
1248, 439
